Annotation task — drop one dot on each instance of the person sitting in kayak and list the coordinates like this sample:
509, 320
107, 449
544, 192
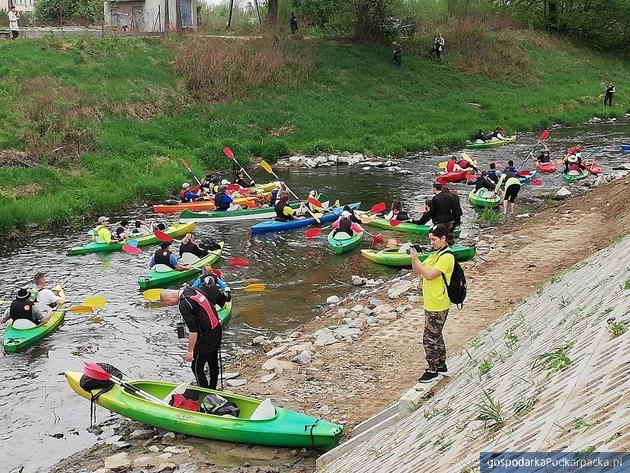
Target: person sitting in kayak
141, 227
240, 180
344, 224
284, 212
480, 137
222, 200
511, 169
188, 245
123, 231
494, 174
483, 182
544, 156
23, 308
205, 271
198, 309
497, 134
353, 217
397, 212
452, 165
166, 257
573, 160
43, 295
189, 194
101, 233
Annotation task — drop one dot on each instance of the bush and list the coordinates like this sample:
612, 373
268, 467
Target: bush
51, 10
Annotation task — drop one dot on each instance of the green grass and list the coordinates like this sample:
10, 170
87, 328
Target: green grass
355, 100
490, 216
617, 328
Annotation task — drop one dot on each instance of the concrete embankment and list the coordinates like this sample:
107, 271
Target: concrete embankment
551, 375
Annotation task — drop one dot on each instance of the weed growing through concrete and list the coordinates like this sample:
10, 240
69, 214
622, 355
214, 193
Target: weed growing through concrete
556, 360
490, 413
617, 328
510, 339
579, 423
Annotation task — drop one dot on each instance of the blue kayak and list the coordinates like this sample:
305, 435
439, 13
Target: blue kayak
275, 226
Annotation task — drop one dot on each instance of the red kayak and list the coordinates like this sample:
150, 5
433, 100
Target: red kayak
594, 168
455, 176
549, 168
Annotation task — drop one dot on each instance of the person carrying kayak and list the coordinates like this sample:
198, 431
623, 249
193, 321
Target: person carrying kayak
512, 186
511, 169
197, 307
165, 257
484, 182
344, 224
222, 200
188, 245
101, 233
43, 295
23, 308
436, 272
494, 174
497, 134
123, 231
189, 194
480, 137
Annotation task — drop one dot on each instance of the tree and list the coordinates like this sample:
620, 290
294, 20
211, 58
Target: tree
370, 18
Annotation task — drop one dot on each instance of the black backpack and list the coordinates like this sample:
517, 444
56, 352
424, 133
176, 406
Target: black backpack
457, 287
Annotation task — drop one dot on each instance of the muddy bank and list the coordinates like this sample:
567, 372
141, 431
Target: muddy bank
363, 352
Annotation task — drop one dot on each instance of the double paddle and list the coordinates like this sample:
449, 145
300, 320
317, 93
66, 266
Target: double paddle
232, 261
153, 295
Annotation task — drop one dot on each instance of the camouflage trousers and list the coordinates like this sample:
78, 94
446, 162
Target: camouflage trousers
433, 341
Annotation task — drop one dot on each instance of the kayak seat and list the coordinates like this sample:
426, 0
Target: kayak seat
265, 410
342, 236
23, 324
189, 258
162, 268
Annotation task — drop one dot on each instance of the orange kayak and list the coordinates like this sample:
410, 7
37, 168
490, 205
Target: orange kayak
249, 202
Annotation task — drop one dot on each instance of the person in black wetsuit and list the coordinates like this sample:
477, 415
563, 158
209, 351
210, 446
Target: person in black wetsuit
200, 315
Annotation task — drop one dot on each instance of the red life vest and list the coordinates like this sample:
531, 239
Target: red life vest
463, 164
182, 193
450, 165
207, 307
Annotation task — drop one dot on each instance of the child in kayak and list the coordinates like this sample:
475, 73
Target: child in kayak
344, 224
573, 160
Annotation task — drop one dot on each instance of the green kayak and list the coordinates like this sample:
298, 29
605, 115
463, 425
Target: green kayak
272, 425
492, 144
403, 260
232, 215
164, 278
176, 230
346, 244
484, 198
16, 339
575, 177
405, 227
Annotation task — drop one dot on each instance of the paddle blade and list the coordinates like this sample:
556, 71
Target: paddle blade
378, 238
132, 250
217, 272
237, 261
265, 165
228, 153
378, 208
392, 243
95, 371
537, 182
312, 232
365, 219
98, 302
133, 242
162, 236
544, 135
81, 309
233, 187
394, 223
523, 172
468, 158
314, 202
152, 295
255, 288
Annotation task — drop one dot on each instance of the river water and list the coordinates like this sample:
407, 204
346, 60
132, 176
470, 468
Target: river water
43, 421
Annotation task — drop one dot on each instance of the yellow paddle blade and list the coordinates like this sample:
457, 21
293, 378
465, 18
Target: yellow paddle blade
152, 295
265, 165
97, 302
255, 288
365, 219
337, 203
81, 309
468, 158
442, 165
2, 302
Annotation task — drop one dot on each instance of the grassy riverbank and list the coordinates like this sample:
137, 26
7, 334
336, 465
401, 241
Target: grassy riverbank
125, 116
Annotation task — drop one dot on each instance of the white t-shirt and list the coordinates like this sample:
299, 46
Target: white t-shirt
13, 21
46, 297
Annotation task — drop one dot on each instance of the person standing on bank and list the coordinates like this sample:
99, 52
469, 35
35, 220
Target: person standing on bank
14, 16
436, 272
198, 310
438, 45
397, 53
293, 23
608, 94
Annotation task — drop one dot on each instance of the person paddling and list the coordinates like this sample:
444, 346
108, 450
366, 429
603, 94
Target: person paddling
23, 308
189, 194
43, 295
284, 212
497, 134
222, 200
165, 257
240, 180
544, 156
344, 224
188, 245
101, 233
436, 272
197, 307
205, 271
452, 165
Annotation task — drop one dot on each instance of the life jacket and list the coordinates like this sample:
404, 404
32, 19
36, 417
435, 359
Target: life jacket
163, 257
575, 167
182, 194
279, 208
22, 309
544, 157
493, 175
218, 202
207, 307
95, 236
450, 165
464, 164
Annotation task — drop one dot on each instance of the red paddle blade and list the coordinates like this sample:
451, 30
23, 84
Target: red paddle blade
132, 250
162, 236
378, 238
217, 272
233, 187
312, 232
228, 152
184, 163
537, 182
314, 202
544, 135
378, 208
237, 261
95, 371
394, 222
523, 172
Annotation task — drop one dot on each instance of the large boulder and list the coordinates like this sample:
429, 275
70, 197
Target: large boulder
399, 289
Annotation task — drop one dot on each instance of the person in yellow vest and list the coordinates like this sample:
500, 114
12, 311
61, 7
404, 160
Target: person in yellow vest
101, 233
511, 188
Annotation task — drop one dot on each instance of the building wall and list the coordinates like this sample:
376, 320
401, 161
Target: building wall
149, 15
22, 6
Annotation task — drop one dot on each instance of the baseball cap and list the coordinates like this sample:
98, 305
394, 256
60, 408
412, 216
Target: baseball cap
102, 219
185, 185
225, 182
345, 213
